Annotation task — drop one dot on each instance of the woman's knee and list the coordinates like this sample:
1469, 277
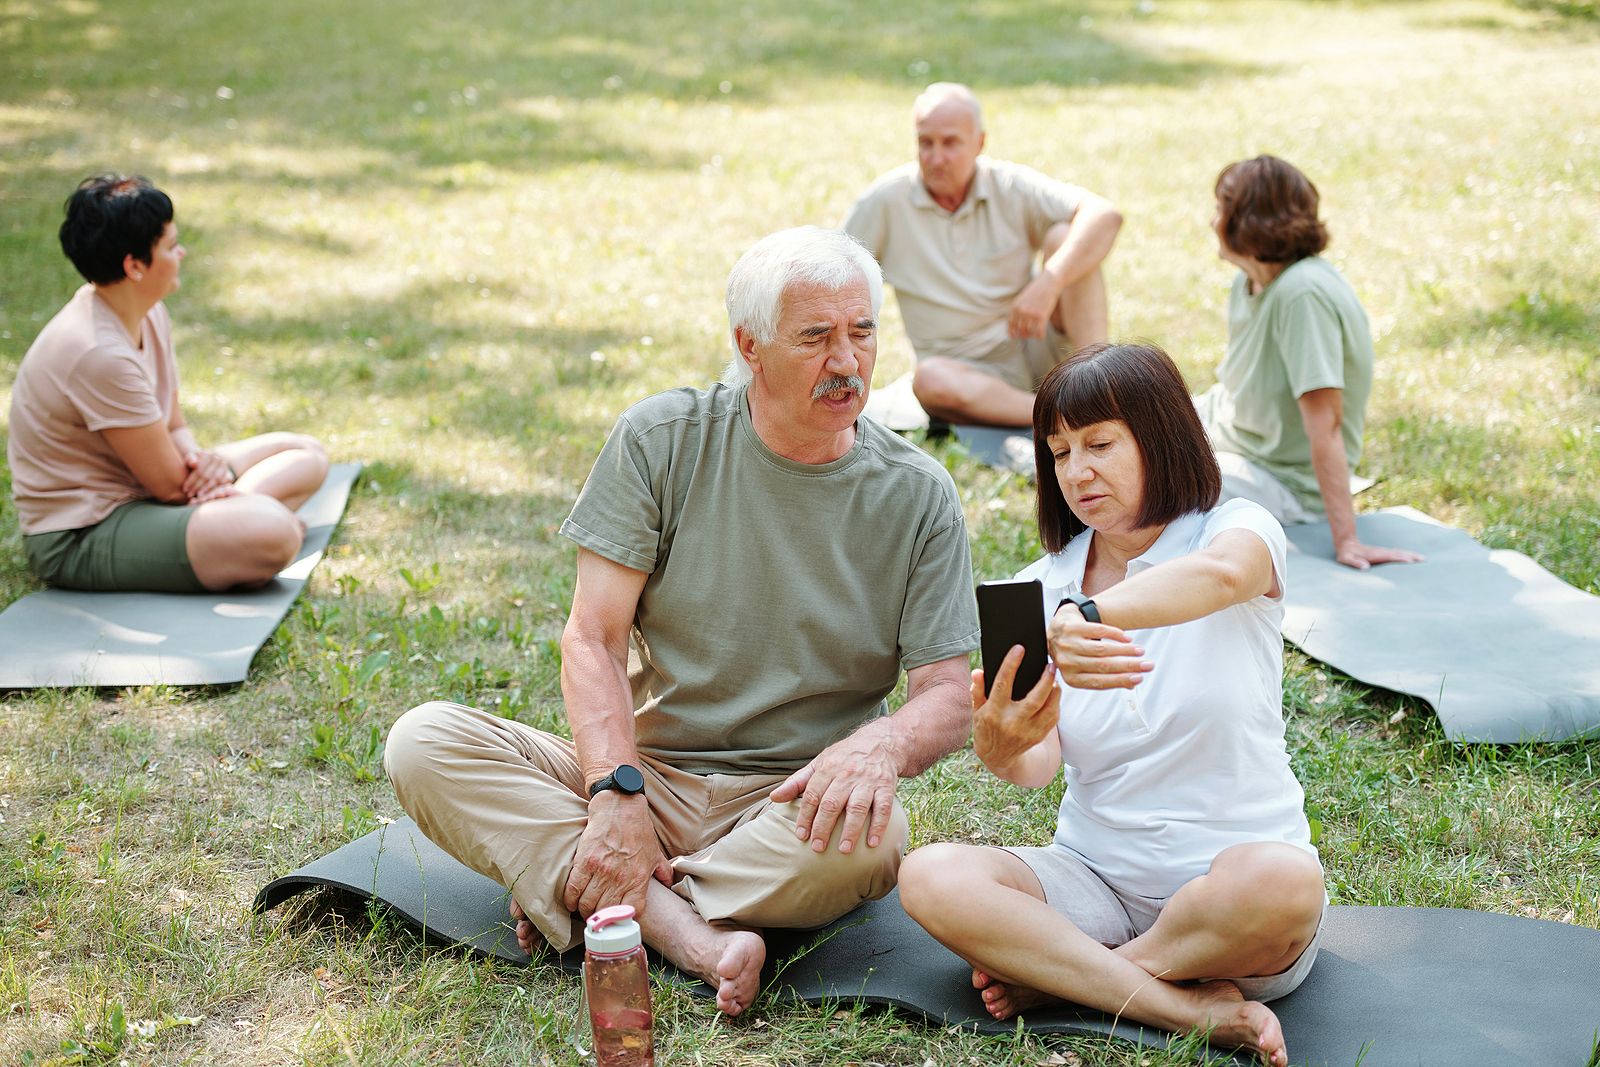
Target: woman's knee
1277, 885
933, 877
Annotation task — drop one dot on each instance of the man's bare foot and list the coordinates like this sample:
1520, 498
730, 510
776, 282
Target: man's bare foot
528, 935
737, 974
1002, 1000
1235, 1022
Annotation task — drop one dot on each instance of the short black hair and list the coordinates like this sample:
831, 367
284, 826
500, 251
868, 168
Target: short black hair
111, 217
1139, 385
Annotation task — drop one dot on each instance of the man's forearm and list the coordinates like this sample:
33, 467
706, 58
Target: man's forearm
933, 723
594, 684
1090, 235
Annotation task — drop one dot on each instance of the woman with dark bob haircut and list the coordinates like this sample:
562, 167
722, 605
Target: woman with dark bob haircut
112, 490
1287, 412
1181, 889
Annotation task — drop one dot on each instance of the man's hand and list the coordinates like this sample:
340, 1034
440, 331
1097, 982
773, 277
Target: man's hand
617, 856
1003, 728
207, 471
1092, 655
1359, 556
1031, 310
854, 778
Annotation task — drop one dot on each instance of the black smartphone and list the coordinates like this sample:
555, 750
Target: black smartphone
1012, 613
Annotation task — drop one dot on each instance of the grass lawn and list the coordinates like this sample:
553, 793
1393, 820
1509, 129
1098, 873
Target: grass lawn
454, 241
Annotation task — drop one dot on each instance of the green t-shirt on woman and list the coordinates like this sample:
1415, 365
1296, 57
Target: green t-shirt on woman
1306, 330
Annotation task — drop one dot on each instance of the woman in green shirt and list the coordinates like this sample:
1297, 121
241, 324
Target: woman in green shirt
1287, 412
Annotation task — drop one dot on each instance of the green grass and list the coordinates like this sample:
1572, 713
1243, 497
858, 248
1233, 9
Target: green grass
455, 240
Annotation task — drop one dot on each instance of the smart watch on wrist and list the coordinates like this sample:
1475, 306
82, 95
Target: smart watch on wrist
626, 779
1085, 606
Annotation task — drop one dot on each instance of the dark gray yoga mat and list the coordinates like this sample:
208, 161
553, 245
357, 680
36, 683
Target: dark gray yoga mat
1392, 986
1502, 649
61, 637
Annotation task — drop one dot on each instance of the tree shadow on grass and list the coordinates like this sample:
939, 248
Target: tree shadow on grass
415, 84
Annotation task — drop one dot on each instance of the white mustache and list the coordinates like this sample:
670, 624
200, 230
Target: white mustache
837, 382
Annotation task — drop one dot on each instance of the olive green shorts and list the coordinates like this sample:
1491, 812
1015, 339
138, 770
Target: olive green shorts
138, 547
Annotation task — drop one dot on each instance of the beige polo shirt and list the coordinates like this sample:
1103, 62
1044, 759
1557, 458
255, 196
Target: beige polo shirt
83, 375
956, 273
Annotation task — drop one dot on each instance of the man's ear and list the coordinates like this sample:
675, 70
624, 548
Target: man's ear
747, 348
983, 135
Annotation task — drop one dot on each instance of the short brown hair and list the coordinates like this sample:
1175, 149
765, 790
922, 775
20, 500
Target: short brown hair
1139, 385
1268, 211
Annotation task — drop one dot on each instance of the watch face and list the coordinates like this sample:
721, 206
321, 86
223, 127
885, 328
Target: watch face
629, 778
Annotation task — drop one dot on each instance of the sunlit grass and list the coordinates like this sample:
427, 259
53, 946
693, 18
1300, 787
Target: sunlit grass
454, 241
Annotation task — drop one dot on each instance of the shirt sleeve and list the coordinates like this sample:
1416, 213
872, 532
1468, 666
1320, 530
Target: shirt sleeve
112, 391
618, 513
1311, 344
940, 618
1046, 201
1242, 514
866, 223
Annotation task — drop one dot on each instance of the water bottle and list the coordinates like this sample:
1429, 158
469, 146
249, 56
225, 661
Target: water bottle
617, 987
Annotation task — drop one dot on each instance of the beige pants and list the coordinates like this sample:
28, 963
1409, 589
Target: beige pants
508, 801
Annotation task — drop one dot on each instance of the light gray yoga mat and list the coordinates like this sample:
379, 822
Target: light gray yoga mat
61, 637
1391, 987
1502, 649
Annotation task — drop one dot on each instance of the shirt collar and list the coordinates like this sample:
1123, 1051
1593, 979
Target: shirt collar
982, 189
1066, 568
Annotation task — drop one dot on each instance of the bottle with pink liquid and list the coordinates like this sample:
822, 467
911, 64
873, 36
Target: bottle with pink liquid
617, 987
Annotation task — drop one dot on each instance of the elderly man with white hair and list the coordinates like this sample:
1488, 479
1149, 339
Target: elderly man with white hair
756, 566
957, 234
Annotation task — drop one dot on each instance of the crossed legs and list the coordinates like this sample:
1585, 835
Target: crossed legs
960, 392
244, 540
507, 801
1252, 914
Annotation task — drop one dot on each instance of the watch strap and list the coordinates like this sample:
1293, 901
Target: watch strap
1086, 607
625, 779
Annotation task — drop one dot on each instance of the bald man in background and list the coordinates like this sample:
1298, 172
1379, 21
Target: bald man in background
957, 234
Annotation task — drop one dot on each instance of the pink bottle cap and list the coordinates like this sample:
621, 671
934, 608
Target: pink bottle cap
606, 916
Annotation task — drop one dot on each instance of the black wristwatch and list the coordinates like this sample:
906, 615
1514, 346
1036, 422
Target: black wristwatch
626, 779
1085, 606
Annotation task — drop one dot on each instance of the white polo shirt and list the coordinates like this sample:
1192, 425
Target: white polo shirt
1162, 777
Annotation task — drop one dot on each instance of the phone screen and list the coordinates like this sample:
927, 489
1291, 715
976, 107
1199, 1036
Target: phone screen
1012, 613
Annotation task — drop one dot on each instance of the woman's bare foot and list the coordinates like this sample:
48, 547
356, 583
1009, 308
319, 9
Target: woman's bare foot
1003, 1000
528, 935
1235, 1022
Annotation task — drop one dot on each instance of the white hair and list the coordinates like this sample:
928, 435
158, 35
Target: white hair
805, 255
939, 92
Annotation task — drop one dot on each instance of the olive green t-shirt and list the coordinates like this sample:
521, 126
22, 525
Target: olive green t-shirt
1304, 331
784, 599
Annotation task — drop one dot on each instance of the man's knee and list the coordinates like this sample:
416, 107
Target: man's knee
937, 384
409, 752
1054, 238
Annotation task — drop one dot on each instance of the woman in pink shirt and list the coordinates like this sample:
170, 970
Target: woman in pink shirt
112, 490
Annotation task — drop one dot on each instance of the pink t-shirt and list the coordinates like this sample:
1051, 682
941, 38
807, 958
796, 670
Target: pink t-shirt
81, 376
